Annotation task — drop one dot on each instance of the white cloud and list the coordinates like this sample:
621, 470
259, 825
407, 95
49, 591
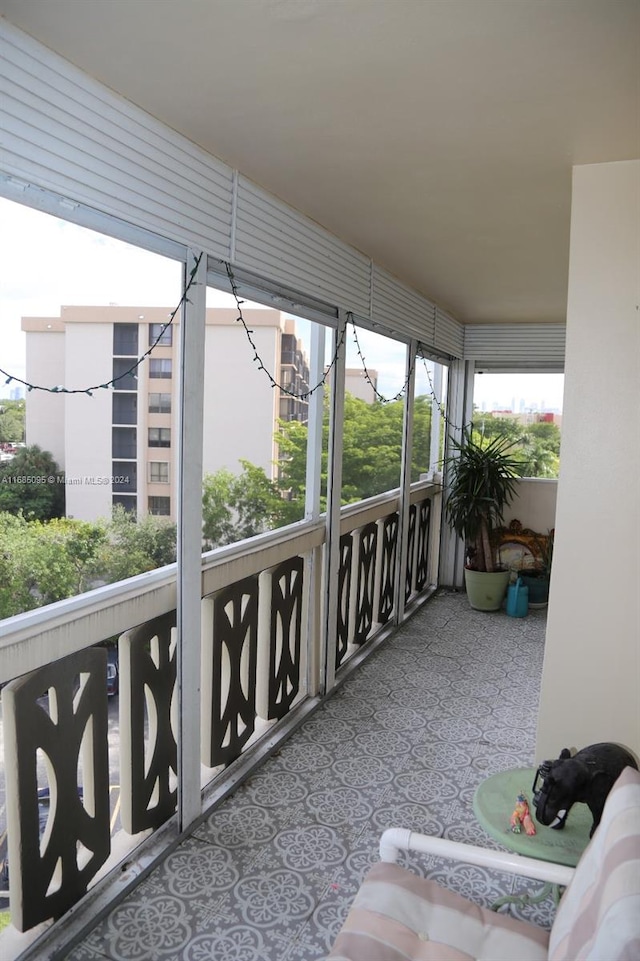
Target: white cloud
47, 263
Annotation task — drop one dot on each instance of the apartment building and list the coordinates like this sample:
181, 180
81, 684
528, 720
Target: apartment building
118, 444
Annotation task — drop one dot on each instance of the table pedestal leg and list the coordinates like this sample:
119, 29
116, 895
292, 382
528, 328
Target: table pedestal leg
547, 890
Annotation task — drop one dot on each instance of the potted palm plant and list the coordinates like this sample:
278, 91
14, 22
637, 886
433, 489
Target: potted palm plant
481, 483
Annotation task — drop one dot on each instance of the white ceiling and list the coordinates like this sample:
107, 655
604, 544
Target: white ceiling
437, 136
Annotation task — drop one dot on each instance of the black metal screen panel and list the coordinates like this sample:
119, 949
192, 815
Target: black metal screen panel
389, 548
411, 546
344, 592
367, 544
57, 713
235, 644
150, 661
286, 632
423, 525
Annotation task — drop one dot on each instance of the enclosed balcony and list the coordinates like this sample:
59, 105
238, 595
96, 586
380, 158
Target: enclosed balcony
460, 181
296, 785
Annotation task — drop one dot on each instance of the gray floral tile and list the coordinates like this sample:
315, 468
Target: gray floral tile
270, 875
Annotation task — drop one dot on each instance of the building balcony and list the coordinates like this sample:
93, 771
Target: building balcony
272, 869
128, 778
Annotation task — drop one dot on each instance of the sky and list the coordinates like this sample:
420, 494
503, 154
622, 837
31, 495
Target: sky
46, 262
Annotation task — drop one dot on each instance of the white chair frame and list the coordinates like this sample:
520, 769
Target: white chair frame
395, 840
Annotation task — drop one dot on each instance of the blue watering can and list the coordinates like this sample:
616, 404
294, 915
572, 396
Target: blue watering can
518, 600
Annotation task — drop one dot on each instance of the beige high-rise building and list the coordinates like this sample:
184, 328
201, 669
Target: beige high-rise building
119, 445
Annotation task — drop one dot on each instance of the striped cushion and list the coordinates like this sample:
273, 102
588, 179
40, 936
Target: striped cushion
397, 916
599, 915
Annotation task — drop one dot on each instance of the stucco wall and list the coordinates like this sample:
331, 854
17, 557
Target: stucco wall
45, 411
239, 402
88, 422
592, 666
534, 504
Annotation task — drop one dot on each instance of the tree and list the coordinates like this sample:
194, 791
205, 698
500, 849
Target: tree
239, 506
18, 566
45, 561
134, 545
536, 446
32, 484
217, 508
371, 448
487, 427
12, 421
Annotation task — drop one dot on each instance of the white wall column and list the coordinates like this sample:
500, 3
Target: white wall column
592, 665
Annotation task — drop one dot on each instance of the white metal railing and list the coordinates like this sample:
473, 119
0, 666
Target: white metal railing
263, 616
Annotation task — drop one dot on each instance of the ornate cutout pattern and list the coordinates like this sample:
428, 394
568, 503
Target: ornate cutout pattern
147, 657
411, 544
60, 712
388, 548
285, 623
344, 592
232, 649
423, 527
367, 544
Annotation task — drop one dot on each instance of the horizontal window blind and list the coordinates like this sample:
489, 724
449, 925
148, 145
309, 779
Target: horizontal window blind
398, 308
515, 347
66, 133
276, 241
63, 131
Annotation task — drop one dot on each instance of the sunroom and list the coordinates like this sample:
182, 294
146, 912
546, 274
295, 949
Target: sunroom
469, 245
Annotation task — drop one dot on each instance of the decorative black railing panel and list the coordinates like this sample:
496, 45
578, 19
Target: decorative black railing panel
57, 713
344, 593
423, 525
285, 633
367, 544
389, 550
149, 763
232, 650
411, 546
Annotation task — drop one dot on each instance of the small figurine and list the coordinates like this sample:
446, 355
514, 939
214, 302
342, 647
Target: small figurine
521, 817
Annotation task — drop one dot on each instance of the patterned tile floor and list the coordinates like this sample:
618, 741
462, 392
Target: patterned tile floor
451, 698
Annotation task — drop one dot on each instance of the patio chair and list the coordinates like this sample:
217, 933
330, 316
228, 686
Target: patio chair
397, 916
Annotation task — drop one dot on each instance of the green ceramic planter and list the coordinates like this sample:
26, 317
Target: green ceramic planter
486, 591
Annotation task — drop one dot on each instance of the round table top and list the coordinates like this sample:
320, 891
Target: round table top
493, 805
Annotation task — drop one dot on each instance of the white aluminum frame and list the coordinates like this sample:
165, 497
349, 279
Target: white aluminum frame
395, 840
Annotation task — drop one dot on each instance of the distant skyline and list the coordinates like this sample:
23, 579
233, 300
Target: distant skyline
519, 392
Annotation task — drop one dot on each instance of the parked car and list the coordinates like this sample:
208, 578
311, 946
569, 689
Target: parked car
112, 673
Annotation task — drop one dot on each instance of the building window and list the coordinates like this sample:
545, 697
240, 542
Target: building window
159, 403
124, 478
125, 340
129, 502
160, 367
124, 378
159, 437
160, 334
159, 472
124, 442
160, 506
124, 409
